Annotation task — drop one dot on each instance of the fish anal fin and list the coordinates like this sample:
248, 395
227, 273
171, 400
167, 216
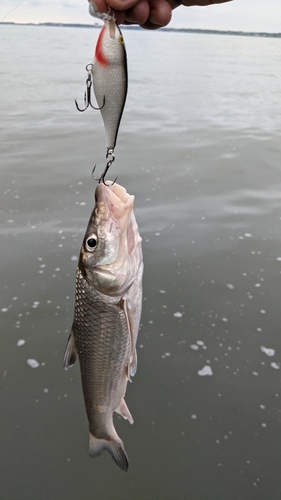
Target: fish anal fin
70, 354
115, 448
134, 364
124, 411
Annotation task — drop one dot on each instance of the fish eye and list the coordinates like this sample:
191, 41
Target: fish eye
91, 243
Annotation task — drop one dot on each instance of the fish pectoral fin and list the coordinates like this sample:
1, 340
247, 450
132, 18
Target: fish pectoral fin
70, 354
132, 366
124, 411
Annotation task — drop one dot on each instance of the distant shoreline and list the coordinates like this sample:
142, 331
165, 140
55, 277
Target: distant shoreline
172, 30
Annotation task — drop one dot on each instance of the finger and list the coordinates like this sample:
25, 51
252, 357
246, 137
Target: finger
116, 5
121, 4
138, 14
190, 3
119, 16
160, 14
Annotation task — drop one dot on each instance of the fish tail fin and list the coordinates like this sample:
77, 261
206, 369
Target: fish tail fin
115, 448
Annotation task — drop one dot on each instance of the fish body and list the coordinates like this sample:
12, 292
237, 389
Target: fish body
107, 314
109, 77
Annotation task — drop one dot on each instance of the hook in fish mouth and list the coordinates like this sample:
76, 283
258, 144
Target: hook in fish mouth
110, 159
102, 178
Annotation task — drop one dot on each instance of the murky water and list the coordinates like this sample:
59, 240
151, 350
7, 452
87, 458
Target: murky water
199, 147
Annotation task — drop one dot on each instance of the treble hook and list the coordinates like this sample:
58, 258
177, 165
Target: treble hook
110, 159
87, 95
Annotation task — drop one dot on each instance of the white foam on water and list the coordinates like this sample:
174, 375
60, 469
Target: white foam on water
166, 355
268, 351
230, 286
194, 347
32, 363
275, 366
177, 314
205, 372
20, 342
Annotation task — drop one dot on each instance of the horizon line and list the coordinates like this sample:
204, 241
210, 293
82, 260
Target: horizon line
137, 27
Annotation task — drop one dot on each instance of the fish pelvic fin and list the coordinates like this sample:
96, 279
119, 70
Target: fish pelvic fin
124, 411
70, 354
115, 448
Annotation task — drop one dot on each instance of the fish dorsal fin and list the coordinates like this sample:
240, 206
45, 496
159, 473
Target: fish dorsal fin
70, 354
124, 411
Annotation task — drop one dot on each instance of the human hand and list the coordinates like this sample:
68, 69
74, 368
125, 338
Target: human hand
149, 14
188, 3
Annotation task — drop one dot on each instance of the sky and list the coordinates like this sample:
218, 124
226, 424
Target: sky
238, 15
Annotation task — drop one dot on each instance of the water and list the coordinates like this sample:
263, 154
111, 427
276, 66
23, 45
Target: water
199, 147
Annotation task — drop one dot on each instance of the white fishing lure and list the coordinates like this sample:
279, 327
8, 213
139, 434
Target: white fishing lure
109, 75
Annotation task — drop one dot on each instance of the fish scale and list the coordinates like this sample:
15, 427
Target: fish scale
103, 355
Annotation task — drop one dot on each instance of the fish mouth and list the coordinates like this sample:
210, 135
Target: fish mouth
115, 217
114, 202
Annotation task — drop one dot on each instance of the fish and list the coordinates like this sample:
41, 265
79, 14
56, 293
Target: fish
110, 75
108, 302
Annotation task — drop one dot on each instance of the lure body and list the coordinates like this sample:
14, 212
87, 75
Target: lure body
109, 77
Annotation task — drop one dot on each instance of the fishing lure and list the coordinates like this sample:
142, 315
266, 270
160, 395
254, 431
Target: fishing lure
108, 76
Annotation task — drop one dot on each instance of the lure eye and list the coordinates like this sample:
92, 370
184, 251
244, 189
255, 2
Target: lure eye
91, 243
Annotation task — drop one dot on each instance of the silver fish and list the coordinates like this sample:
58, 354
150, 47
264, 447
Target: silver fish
109, 75
107, 313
